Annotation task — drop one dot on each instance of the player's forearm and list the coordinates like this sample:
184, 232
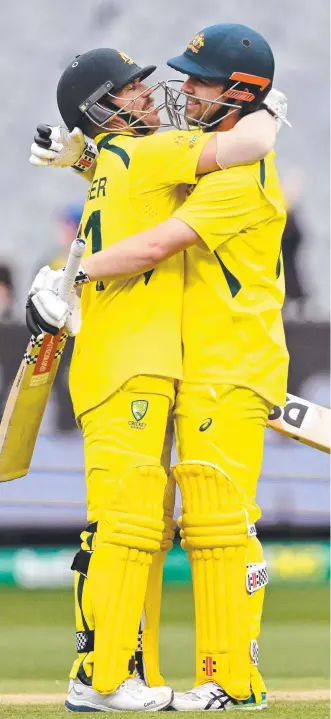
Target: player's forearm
127, 257
249, 140
141, 252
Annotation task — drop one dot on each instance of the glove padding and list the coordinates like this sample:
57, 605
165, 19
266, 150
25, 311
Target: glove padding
46, 311
56, 146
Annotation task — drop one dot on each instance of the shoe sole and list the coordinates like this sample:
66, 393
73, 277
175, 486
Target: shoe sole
259, 707
70, 707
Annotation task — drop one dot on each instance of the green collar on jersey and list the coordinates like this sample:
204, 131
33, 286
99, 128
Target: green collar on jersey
111, 136
106, 144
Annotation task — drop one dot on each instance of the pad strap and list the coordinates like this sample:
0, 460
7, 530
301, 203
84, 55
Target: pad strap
256, 577
81, 562
139, 657
85, 642
254, 652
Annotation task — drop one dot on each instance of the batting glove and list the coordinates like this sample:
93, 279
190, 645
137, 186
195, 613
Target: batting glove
46, 311
58, 147
276, 103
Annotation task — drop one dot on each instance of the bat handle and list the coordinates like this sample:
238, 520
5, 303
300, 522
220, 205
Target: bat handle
77, 250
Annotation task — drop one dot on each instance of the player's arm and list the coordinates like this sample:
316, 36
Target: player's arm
140, 252
172, 158
47, 312
249, 140
217, 209
221, 206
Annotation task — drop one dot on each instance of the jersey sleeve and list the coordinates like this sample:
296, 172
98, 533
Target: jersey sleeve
169, 158
224, 204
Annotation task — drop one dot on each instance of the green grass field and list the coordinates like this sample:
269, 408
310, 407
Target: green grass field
318, 710
37, 642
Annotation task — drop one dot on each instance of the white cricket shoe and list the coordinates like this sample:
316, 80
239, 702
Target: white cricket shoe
131, 695
211, 697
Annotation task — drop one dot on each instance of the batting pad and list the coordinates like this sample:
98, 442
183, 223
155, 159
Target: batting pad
214, 531
148, 652
128, 534
83, 665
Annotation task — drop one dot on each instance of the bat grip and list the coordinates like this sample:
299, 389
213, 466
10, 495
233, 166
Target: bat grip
77, 250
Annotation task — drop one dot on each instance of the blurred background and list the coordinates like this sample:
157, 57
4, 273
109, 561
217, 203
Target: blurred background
42, 514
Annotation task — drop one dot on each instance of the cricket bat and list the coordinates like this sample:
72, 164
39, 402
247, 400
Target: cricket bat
304, 421
29, 394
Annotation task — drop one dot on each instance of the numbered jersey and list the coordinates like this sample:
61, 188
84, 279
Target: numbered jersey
132, 326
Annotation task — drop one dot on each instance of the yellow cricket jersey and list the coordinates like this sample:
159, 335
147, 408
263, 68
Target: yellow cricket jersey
132, 326
234, 284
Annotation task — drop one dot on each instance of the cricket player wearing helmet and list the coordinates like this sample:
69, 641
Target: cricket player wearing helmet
233, 375
123, 270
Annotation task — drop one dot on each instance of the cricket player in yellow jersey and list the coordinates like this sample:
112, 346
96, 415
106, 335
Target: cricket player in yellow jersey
235, 362
132, 372
234, 374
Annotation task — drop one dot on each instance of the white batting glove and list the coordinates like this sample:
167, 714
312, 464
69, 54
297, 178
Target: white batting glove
46, 279
49, 311
56, 146
46, 311
276, 101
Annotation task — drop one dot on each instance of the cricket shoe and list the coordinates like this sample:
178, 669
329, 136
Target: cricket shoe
131, 695
211, 697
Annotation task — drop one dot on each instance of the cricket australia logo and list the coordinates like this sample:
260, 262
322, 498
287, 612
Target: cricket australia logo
125, 57
197, 42
139, 408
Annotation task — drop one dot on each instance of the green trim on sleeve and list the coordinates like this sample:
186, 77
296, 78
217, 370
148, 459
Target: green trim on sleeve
233, 283
262, 172
279, 264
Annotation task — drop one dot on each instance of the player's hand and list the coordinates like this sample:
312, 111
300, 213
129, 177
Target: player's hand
56, 146
276, 101
46, 311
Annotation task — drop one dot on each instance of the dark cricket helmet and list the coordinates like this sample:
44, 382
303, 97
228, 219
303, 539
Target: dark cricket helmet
95, 74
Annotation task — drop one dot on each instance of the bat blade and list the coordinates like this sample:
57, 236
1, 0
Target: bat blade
26, 404
32, 386
304, 421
